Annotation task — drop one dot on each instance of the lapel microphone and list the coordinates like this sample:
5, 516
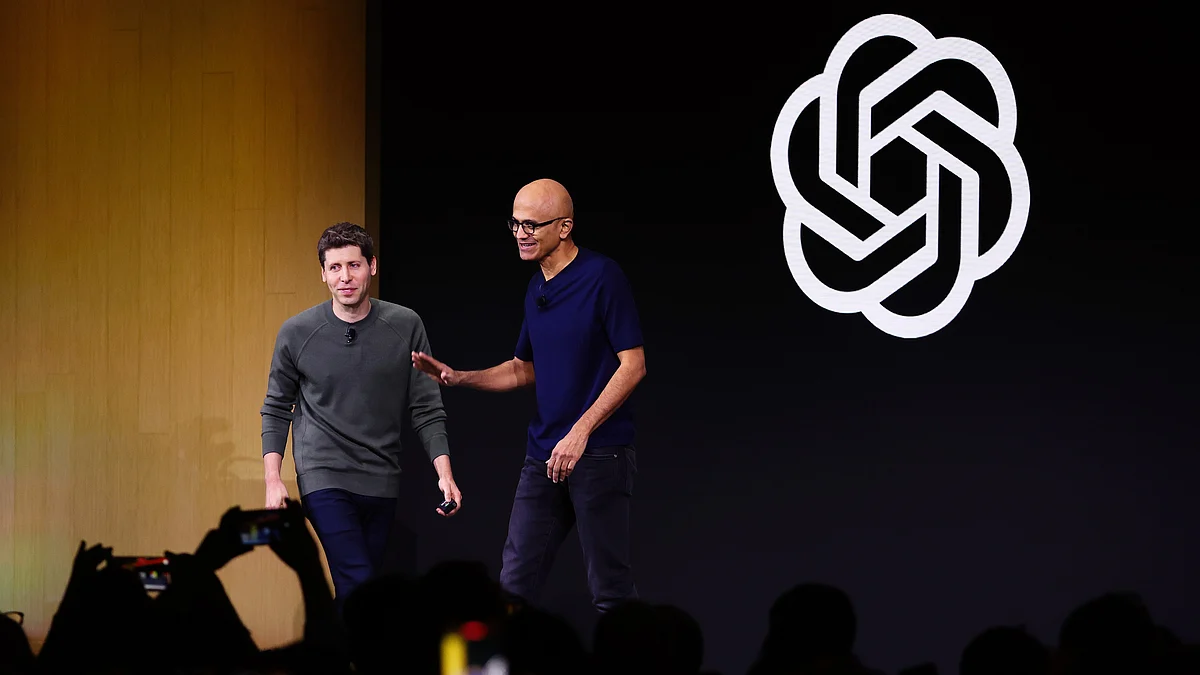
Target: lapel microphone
541, 301
350, 335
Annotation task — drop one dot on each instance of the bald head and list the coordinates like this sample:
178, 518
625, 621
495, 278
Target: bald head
543, 199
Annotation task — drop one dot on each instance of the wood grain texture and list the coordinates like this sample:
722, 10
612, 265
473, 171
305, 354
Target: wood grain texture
166, 167
9, 82
32, 272
32, 264
61, 222
154, 234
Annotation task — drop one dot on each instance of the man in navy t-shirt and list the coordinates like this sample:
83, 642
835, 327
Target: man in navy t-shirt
582, 337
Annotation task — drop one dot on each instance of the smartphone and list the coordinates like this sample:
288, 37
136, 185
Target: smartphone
263, 526
154, 571
472, 650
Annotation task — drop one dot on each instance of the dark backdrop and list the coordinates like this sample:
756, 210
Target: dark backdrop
1039, 450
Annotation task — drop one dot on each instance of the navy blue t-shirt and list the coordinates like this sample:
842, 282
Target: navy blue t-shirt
572, 336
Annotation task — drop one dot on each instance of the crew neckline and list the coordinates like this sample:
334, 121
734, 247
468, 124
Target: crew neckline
367, 320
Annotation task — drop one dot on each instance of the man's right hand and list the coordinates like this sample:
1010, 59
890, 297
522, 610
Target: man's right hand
435, 369
276, 494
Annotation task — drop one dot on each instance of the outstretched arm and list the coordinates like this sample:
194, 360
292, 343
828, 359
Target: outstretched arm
515, 373
512, 374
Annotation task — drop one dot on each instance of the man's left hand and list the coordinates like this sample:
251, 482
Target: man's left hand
451, 493
565, 455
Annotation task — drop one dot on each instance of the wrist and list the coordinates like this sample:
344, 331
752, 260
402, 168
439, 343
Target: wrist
441, 464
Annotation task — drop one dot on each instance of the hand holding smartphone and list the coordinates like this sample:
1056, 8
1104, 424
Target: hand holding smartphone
263, 526
154, 571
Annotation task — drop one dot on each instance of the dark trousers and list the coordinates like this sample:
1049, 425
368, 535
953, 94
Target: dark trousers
596, 499
353, 531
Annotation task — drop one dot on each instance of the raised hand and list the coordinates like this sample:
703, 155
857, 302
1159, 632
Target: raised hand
296, 547
87, 560
223, 543
435, 369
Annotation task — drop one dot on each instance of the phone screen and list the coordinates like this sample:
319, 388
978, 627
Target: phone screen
154, 571
472, 650
263, 526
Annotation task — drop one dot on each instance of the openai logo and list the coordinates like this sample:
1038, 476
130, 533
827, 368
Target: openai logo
823, 89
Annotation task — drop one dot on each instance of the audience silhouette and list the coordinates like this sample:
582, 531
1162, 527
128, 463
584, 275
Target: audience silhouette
108, 623
1004, 650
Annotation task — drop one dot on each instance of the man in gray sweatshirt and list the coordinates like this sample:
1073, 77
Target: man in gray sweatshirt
342, 381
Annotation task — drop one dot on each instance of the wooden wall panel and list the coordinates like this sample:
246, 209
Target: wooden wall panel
9, 84
165, 169
61, 223
62, 213
249, 105
32, 262
280, 189
123, 272
154, 233
32, 280
90, 460
216, 256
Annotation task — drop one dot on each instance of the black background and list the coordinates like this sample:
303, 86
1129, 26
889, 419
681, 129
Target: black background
1039, 450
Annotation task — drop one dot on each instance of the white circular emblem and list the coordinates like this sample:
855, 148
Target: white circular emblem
974, 264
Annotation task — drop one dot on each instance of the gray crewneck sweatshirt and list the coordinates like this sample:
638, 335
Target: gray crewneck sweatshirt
345, 400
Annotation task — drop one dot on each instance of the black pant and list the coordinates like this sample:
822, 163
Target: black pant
353, 531
596, 498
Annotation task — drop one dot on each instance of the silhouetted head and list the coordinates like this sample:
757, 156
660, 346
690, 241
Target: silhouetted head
629, 639
462, 591
636, 637
536, 641
811, 622
685, 640
15, 654
114, 616
1004, 650
387, 620
196, 624
1113, 633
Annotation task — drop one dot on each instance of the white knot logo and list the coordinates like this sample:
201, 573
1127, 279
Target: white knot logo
973, 264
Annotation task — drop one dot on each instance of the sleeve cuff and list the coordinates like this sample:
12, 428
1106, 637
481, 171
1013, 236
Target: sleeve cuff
273, 441
437, 445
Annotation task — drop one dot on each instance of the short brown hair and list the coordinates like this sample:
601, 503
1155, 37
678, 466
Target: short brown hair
345, 234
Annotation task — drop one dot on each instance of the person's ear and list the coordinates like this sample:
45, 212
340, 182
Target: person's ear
374, 265
565, 228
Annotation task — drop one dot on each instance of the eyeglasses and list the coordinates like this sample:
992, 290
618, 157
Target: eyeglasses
528, 225
19, 617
